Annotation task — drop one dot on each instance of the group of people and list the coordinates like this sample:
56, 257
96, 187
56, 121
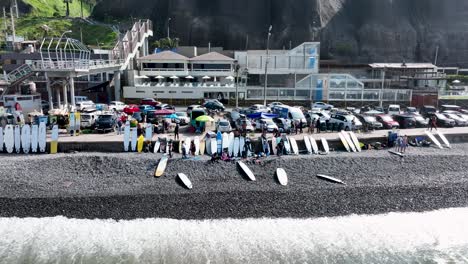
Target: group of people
401, 144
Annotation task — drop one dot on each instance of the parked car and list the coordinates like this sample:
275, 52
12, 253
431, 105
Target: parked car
443, 121
164, 106
387, 121
88, 119
106, 122
182, 118
284, 125
129, 110
213, 105
81, 106
322, 105
345, 122
393, 110
428, 110
275, 104
444, 108
411, 110
459, 121
311, 117
191, 107
420, 121
117, 106
150, 101
152, 117
244, 122
370, 121
145, 108
405, 121
270, 125
260, 108
223, 125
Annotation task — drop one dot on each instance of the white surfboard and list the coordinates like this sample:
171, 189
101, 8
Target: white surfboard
246, 170
126, 136
34, 138
42, 137
236, 146
1, 139
434, 139
167, 145
355, 141
26, 138
134, 137
156, 146
225, 143
241, 145
18, 139
9, 138
273, 146
161, 167
330, 179
349, 140
287, 145
231, 144
344, 141
208, 146
294, 147
187, 145
307, 144
314, 145
185, 180
282, 176
326, 148
213, 146
196, 140
444, 139
149, 132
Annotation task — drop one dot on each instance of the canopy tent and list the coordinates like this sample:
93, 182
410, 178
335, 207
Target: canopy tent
262, 115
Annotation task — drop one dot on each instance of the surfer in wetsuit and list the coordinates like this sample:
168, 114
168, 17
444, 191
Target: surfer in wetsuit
176, 131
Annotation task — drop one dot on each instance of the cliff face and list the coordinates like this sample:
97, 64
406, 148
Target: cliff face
357, 30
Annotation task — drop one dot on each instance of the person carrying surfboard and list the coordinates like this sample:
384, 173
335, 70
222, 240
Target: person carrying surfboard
176, 131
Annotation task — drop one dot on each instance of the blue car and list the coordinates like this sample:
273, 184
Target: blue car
145, 108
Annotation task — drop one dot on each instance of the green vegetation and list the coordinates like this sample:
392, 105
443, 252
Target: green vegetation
56, 8
166, 43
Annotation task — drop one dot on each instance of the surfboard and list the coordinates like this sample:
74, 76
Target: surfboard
42, 137
202, 147
9, 138
167, 145
294, 148
161, 167
34, 139
54, 140
246, 170
273, 146
181, 143
396, 153
349, 140
231, 144
141, 142
330, 179
214, 146
326, 148
236, 146
1, 139
314, 145
208, 146
149, 132
126, 136
241, 145
185, 180
187, 145
444, 139
307, 144
196, 141
344, 142
219, 141
156, 146
78, 122
26, 138
355, 141
287, 146
17, 138
282, 176
134, 137
71, 124
225, 141
434, 139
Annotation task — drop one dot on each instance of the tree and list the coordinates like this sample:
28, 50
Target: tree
67, 2
166, 43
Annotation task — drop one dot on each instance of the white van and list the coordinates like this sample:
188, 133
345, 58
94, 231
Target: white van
79, 99
393, 110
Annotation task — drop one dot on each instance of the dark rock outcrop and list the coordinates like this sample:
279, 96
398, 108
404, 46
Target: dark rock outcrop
358, 30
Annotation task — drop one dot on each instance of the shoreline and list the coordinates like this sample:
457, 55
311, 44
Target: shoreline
121, 186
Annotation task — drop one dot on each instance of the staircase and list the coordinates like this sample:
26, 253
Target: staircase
127, 48
17, 76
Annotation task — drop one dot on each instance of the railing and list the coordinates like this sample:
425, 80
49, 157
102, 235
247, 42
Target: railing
19, 73
165, 69
73, 65
195, 85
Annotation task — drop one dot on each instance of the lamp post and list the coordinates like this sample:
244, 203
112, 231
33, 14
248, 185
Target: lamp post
236, 69
266, 66
168, 32
382, 88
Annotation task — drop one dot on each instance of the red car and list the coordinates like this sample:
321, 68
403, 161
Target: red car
387, 121
131, 109
150, 101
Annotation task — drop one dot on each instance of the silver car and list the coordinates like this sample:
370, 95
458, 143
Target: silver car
223, 126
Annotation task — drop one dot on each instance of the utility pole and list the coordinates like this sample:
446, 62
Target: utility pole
13, 33
168, 28
266, 66
436, 55
383, 86
5, 25
81, 6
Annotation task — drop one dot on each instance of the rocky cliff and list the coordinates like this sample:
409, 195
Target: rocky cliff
357, 30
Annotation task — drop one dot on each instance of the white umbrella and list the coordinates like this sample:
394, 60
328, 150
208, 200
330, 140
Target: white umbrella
174, 77
206, 77
189, 77
159, 77
230, 78
456, 82
141, 77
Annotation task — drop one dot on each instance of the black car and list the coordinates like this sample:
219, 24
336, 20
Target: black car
106, 123
420, 121
443, 121
369, 121
214, 105
428, 110
405, 121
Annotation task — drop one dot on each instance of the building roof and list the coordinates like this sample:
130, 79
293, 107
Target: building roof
212, 56
165, 56
403, 65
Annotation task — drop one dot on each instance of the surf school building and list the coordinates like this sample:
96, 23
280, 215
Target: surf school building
291, 75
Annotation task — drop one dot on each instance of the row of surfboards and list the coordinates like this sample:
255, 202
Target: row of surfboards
436, 141
26, 138
350, 141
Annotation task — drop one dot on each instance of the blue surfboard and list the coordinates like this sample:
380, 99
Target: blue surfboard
219, 140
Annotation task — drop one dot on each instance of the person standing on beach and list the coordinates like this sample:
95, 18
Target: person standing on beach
300, 126
311, 126
318, 125
405, 144
176, 131
433, 122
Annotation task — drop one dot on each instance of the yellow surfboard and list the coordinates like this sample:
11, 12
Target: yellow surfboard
54, 140
202, 147
161, 167
141, 141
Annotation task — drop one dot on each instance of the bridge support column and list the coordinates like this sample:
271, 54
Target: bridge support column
72, 92
49, 92
59, 103
117, 85
65, 95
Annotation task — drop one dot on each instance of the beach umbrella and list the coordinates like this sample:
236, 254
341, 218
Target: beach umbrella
159, 77
189, 77
206, 78
172, 116
204, 118
230, 78
456, 82
174, 77
141, 77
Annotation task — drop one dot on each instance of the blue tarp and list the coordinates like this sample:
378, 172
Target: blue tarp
261, 115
